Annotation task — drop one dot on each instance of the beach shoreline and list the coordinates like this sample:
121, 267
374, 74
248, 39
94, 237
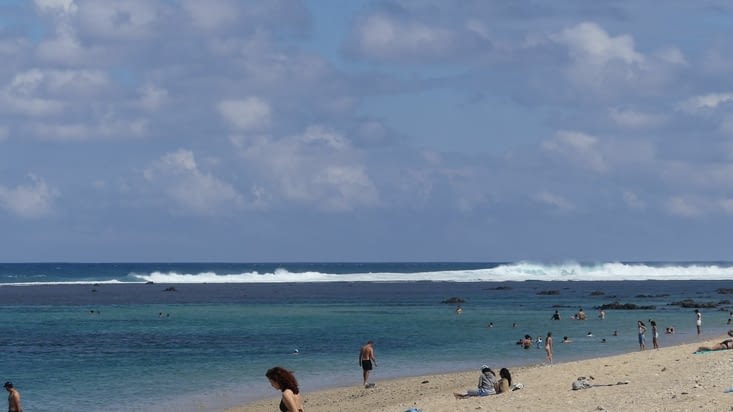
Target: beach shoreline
670, 379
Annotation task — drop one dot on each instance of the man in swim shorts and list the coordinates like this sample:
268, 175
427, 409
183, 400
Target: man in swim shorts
367, 360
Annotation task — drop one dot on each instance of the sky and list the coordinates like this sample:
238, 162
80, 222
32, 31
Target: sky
331, 130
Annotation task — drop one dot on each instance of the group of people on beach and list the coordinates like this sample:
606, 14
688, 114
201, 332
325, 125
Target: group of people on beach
488, 384
284, 380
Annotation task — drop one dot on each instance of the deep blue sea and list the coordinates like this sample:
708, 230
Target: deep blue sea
199, 336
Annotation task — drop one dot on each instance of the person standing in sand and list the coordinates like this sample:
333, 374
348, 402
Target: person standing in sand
284, 381
698, 321
642, 332
367, 361
13, 398
655, 334
548, 347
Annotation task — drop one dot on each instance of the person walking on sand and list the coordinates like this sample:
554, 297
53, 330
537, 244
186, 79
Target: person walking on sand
698, 321
284, 381
548, 347
367, 361
13, 398
642, 332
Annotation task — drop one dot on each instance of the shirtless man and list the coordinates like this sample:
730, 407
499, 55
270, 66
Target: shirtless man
13, 398
367, 360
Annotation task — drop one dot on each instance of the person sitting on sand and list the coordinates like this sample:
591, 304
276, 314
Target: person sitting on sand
726, 344
486, 385
503, 384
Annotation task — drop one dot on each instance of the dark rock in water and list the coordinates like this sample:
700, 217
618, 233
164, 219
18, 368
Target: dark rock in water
500, 288
150, 282
549, 292
453, 300
626, 306
170, 289
597, 293
689, 303
725, 291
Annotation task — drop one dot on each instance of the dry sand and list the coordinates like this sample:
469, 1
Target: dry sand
667, 379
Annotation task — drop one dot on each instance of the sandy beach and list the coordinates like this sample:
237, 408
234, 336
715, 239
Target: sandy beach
667, 379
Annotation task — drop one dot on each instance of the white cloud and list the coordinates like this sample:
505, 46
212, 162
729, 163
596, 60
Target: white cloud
727, 206
635, 119
65, 49
318, 167
211, 14
108, 127
247, 114
381, 36
63, 82
589, 43
578, 148
611, 65
29, 201
152, 98
671, 55
57, 7
632, 200
192, 190
127, 19
685, 207
706, 102
555, 201
30, 106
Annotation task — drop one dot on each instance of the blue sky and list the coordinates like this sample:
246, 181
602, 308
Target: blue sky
285, 130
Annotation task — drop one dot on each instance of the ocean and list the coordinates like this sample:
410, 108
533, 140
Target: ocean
199, 336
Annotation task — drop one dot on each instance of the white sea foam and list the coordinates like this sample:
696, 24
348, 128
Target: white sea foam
521, 271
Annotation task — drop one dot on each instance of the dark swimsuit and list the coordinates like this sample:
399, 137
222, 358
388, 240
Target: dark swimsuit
366, 364
284, 408
727, 343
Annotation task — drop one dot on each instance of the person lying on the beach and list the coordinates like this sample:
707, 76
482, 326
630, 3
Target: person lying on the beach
486, 385
726, 344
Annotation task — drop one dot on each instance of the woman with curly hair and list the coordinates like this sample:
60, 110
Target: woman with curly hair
284, 381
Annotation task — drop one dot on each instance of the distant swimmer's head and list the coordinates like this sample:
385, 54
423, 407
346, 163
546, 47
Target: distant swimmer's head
730, 333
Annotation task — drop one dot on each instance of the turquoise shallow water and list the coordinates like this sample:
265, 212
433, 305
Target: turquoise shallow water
212, 344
